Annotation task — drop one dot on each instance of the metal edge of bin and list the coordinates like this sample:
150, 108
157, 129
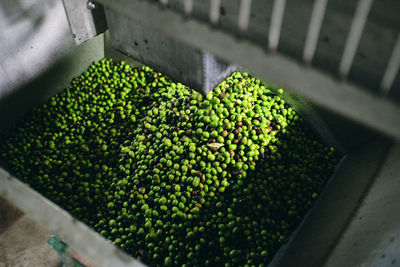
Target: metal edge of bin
78, 235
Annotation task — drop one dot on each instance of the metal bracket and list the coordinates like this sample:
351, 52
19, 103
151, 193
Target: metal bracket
86, 19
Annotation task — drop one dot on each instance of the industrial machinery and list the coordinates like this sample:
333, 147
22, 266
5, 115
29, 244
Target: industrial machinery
339, 60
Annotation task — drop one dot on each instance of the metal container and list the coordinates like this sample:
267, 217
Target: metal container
353, 223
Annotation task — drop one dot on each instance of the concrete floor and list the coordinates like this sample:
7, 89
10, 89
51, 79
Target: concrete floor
23, 242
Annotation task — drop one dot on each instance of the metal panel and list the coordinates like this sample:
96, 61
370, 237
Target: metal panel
57, 75
342, 97
372, 238
86, 19
323, 229
34, 36
38, 55
191, 66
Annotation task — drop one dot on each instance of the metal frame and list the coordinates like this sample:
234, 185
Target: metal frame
354, 37
392, 68
278, 10
325, 90
314, 29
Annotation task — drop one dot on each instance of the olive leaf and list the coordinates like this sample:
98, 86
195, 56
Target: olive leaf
215, 145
